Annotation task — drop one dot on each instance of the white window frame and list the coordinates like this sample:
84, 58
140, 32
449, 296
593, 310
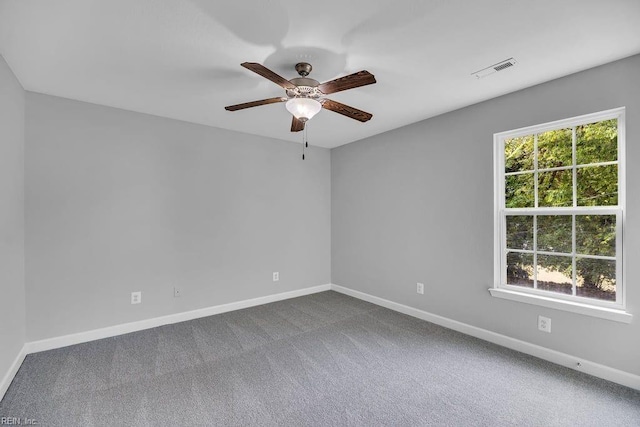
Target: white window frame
604, 309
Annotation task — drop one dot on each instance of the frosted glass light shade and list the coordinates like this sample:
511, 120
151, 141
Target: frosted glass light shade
303, 108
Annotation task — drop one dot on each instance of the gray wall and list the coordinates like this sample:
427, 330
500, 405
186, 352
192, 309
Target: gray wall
12, 325
409, 204
119, 202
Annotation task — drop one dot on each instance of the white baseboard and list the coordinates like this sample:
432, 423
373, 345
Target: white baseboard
573, 362
111, 331
13, 370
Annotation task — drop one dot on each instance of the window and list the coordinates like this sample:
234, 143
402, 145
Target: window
559, 213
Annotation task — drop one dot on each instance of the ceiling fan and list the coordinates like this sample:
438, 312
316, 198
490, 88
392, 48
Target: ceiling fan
305, 96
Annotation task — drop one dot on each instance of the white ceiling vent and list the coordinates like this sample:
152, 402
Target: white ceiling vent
502, 65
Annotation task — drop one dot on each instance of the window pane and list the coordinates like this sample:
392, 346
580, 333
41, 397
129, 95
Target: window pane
520, 269
597, 142
554, 149
596, 235
519, 191
596, 278
554, 233
555, 188
518, 154
554, 273
598, 186
520, 232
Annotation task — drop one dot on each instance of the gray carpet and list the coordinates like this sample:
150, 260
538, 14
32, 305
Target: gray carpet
319, 360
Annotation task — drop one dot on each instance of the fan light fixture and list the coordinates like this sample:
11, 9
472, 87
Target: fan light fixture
303, 108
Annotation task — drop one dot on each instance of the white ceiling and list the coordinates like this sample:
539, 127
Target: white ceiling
181, 58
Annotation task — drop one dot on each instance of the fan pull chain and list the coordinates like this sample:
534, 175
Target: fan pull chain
304, 139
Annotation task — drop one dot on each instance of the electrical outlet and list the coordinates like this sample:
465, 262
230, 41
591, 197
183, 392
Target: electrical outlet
420, 288
544, 324
136, 297
276, 276
177, 292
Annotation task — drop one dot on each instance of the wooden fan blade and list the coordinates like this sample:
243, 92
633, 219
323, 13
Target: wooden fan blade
361, 78
297, 125
268, 74
254, 103
346, 110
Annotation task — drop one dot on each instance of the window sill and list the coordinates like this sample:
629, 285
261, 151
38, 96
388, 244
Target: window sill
571, 306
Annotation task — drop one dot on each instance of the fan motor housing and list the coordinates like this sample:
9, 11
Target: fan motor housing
305, 87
